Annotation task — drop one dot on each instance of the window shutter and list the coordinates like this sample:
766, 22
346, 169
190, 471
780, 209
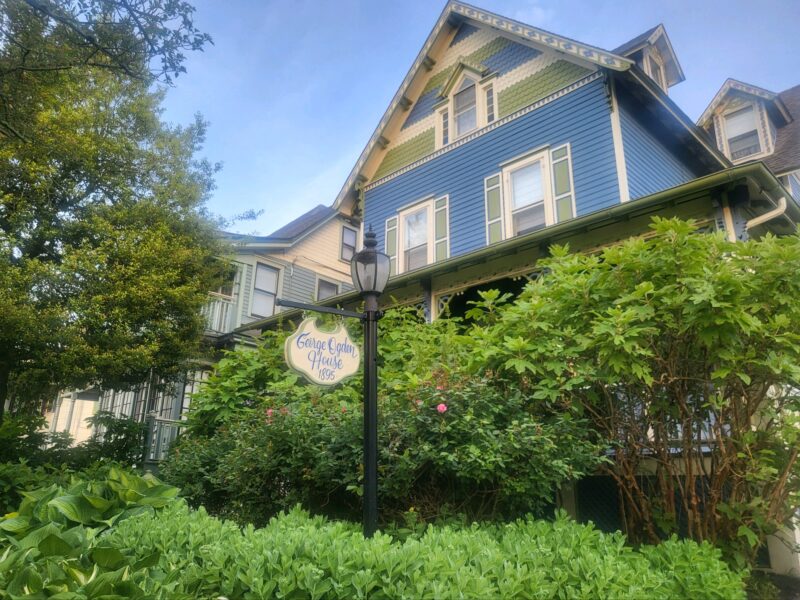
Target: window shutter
494, 210
563, 194
441, 232
390, 244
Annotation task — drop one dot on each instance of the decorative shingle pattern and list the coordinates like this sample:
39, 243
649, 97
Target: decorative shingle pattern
422, 108
463, 33
406, 153
510, 57
478, 57
500, 56
535, 87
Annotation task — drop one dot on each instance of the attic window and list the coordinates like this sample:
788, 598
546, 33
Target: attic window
465, 109
656, 72
742, 133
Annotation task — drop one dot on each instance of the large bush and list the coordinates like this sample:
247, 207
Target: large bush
303, 557
684, 352
446, 446
261, 441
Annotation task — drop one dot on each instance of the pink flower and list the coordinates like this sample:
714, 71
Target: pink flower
418, 402
269, 412
344, 409
442, 408
440, 387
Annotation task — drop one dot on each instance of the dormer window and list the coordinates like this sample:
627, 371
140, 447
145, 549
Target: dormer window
467, 104
465, 109
656, 71
741, 132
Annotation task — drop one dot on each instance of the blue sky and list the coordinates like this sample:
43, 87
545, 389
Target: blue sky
293, 89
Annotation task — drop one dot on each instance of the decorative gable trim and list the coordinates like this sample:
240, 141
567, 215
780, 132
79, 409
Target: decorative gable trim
545, 38
484, 130
733, 84
461, 65
514, 28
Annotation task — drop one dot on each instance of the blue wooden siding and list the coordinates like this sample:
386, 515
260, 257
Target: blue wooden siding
581, 118
464, 32
651, 166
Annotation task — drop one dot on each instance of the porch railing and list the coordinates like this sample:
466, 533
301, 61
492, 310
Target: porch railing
218, 312
160, 435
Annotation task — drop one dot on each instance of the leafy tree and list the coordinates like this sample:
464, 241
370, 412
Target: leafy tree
143, 40
106, 252
684, 351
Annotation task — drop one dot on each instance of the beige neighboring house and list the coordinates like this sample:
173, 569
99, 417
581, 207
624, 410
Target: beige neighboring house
306, 260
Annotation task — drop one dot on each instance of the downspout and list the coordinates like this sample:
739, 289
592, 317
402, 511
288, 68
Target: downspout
767, 216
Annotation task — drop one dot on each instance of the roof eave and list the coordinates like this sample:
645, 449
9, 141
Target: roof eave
756, 171
482, 17
734, 84
679, 115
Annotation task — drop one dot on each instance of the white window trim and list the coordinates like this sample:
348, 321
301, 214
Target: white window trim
428, 205
656, 57
481, 118
278, 287
547, 185
341, 242
759, 130
319, 279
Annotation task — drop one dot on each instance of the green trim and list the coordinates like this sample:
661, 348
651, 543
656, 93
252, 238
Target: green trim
474, 59
407, 152
756, 171
538, 85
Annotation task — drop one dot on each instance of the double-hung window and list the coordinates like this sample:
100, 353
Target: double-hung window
741, 131
265, 291
326, 289
415, 238
422, 233
530, 193
349, 237
465, 107
468, 103
526, 184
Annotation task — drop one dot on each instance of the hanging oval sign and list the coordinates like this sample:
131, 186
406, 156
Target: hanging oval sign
323, 357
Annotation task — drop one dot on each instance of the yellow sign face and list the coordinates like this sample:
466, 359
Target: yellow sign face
322, 357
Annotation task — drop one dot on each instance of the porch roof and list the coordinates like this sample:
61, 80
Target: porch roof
755, 173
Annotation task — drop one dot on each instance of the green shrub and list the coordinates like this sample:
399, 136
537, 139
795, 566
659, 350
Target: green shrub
52, 545
447, 446
299, 556
25, 437
18, 477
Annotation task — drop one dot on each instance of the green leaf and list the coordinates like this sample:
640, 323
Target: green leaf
75, 508
15, 524
54, 545
107, 557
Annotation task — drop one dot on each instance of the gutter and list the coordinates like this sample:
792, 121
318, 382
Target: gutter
549, 235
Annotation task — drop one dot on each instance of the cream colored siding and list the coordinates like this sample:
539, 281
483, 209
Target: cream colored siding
321, 252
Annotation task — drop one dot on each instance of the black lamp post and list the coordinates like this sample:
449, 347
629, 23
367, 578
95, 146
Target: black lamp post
370, 271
